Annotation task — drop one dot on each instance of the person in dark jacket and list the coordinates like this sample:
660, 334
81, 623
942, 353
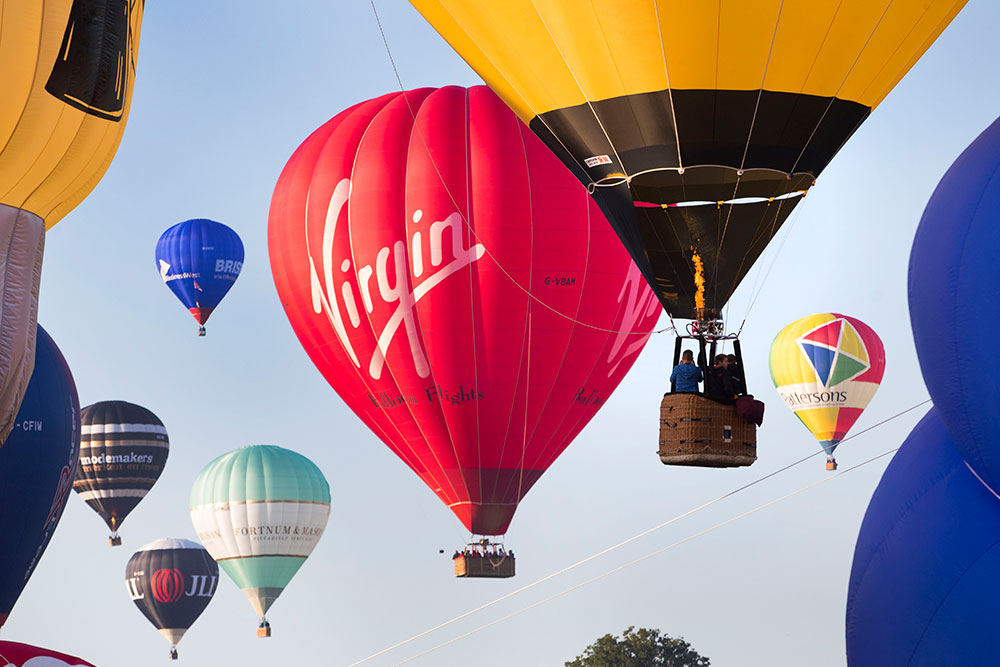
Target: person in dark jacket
720, 381
686, 375
735, 369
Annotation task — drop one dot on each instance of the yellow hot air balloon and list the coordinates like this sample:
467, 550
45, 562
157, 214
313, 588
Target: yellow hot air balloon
697, 125
826, 368
66, 74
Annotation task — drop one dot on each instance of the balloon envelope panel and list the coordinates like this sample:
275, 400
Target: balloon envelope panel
925, 583
37, 464
430, 216
66, 84
22, 244
954, 300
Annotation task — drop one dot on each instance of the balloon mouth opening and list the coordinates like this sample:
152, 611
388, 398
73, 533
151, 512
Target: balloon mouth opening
723, 202
201, 314
618, 178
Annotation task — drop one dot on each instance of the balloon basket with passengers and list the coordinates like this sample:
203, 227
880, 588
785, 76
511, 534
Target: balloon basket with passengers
484, 559
716, 428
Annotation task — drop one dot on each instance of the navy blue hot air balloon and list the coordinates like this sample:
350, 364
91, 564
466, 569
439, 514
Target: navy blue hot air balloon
925, 584
955, 303
37, 463
199, 260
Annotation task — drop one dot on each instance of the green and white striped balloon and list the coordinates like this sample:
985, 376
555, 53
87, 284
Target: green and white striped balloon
260, 511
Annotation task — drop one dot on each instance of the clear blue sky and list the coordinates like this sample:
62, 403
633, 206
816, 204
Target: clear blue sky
224, 94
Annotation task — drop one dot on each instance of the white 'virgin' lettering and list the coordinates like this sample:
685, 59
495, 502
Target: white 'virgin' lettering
402, 293
637, 306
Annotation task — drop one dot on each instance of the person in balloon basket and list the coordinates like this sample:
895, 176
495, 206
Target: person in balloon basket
686, 375
736, 375
720, 381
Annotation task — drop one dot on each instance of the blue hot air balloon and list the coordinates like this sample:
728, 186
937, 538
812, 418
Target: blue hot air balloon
954, 301
37, 464
925, 584
199, 260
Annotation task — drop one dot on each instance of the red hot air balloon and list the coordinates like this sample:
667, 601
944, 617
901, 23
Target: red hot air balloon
15, 654
405, 236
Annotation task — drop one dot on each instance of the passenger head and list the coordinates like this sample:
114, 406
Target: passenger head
687, 357
721, 360
732, 358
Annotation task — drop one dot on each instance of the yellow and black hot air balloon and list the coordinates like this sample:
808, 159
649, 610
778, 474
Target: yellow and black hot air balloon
66, 74
697, 125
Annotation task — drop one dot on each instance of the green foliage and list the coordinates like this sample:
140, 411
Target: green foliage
639, 648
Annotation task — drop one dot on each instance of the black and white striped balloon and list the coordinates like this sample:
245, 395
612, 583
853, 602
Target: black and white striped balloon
123, 450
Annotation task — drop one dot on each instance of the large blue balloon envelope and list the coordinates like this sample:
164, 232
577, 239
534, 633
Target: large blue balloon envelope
199, 260
955, 302
37, 464
925, 583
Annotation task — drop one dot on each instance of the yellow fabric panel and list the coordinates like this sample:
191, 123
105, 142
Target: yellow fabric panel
613, 47
746, 30
809, 44
851, 343
788, 364
821, 422
595, 34
78, 177
691, 43
904, 33
494, 54
52, 154
19, 30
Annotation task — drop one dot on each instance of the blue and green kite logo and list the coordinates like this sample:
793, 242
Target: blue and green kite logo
835, 352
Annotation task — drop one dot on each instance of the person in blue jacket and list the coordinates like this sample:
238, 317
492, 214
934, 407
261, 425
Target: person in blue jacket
686, 375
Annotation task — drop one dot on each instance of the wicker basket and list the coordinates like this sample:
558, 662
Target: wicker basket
697, 431
487, 567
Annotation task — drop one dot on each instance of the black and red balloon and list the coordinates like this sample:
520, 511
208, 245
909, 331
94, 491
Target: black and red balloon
171, 581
